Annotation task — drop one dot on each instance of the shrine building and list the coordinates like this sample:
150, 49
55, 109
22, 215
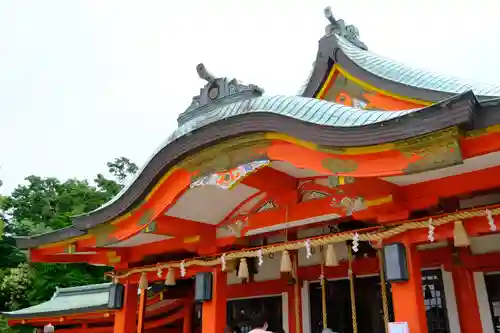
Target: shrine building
368, 202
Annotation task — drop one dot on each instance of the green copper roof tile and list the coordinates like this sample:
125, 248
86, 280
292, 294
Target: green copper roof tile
68, 300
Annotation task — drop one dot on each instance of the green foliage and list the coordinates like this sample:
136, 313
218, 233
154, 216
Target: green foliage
41, 205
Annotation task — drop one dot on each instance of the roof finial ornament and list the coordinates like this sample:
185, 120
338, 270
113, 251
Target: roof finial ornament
217, 92
338, 27
204, 74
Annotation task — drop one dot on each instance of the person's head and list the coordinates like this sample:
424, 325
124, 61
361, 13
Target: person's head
259, 322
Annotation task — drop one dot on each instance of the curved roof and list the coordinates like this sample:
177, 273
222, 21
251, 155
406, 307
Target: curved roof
341, 45
81, 299
419, 78
226, 108
305, 109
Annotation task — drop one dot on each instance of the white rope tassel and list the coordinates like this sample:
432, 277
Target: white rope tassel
308, 249
261, 257
491, 220
183, 269
431, 227
355, 242
223, 262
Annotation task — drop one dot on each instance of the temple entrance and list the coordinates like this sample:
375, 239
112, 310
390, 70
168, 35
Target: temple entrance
493, 289
368, 306
240, 313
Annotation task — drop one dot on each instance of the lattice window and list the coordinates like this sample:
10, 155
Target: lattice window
435, 301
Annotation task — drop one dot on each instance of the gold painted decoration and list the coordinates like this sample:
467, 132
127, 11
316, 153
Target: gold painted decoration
437, 150
335, 181
227, 179
349, 205
437, 157
71, 248
338, 165
228, 154
343, 88
104, 234
150, 228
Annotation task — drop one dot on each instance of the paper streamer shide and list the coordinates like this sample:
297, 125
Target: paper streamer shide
228, 179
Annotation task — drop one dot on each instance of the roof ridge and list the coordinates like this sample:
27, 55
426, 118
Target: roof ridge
87, 289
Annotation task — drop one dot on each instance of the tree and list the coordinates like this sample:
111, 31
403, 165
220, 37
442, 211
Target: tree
41, 205
121, 168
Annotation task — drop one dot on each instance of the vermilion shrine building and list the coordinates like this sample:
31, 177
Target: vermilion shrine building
289, 202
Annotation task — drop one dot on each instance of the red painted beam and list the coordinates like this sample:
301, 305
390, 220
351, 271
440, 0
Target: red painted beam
271, 181
177, 227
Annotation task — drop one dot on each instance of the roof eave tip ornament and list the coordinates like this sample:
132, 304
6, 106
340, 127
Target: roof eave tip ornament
204, 74
218, 91
338, 27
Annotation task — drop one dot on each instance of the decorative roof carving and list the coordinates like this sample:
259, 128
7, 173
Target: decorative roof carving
217, 92
338, 27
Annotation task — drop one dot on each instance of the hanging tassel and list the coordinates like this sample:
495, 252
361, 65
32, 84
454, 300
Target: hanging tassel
430, 232
159, 271
308, 249
143, 282
355, 242
261, 257
331, 258
223, 262
170, 279
286, 262
460, 236
243, 270
491, 220
231, 265
183, 269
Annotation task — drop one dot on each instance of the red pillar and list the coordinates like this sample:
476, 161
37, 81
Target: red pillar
214, 312
187, 325
141, 312
126, 317
408, 298
465, 293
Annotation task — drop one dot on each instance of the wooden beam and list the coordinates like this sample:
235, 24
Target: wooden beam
271, 181
177, 227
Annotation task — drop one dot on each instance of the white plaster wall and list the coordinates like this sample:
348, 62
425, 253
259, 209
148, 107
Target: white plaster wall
284, 309
270, 270
306, 308
317, 256
483, 302
451, 301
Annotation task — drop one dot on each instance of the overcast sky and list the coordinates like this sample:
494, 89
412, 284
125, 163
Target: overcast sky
82, 81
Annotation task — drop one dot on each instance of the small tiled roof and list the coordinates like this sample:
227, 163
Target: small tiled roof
81, 299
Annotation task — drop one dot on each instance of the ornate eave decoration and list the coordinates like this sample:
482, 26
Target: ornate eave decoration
338, 27
216, 93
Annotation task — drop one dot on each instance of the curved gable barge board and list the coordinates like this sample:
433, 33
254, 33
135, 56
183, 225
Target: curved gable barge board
49, 237
335, 50
456, 112
488, 114
323, 65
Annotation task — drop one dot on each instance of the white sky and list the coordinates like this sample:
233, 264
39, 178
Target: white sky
82, 82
